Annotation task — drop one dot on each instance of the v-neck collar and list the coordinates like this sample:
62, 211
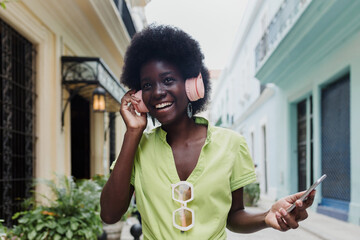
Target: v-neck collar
170, 161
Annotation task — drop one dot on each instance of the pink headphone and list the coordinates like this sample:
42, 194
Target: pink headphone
194, 88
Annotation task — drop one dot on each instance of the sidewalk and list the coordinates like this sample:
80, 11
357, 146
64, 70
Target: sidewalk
316, 227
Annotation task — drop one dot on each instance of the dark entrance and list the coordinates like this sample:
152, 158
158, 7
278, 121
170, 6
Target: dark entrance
335, 148
80, 138
304, 142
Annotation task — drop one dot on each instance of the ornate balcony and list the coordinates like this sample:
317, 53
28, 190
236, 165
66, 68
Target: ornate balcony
283, 21
82, 75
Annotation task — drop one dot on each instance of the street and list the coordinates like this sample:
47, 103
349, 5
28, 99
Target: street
316, 227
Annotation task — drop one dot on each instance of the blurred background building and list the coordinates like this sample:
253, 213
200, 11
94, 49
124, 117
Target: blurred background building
56, 56
291, 88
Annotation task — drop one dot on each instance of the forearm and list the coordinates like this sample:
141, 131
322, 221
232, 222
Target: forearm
242, 221
116, 194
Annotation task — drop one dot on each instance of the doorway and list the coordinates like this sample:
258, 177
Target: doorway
305, 143
335, 148
80, 138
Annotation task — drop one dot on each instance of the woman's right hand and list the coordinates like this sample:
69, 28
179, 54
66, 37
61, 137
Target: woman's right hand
132, 120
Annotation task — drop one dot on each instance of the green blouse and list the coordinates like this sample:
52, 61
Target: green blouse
224, 165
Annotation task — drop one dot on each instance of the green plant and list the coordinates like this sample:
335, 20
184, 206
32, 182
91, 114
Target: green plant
72, 214
2, 228
3, 3
100, 179
251, 194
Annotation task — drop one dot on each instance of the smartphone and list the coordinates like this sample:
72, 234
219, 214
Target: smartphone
304, 196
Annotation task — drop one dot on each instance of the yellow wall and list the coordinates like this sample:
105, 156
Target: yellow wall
55, 31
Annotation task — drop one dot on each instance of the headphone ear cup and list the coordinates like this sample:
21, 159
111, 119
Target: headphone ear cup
194, 88
140, 108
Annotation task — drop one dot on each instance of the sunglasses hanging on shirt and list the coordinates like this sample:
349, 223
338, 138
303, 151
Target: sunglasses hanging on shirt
183, 217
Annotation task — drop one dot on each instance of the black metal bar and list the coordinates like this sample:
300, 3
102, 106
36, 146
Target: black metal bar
6, 67
112, 137
18, 95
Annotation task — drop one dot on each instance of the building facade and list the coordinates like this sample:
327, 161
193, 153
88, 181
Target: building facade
302, 121
53, 57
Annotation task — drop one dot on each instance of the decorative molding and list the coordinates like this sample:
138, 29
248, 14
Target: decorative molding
75, 31
17, 16
89, 28
107, 12
321, 29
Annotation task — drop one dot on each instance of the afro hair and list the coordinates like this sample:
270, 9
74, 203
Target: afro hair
171, 44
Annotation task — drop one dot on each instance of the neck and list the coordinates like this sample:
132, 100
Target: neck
180, 130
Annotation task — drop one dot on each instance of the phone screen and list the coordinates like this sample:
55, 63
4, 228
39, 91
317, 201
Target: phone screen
304, 196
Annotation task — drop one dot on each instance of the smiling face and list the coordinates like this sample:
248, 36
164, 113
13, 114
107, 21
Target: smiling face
163, 91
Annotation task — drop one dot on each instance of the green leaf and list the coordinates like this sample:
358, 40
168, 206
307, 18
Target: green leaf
88, 233
63, 221
44, 235
16, 215
32, 234
3, 5
69, 234
39, 227
51, 224
60, 230
23, 220
57, 237
74, 226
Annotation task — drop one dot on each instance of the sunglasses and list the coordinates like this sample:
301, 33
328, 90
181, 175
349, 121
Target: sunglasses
183, 217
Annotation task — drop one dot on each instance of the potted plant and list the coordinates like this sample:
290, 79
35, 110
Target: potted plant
73, 213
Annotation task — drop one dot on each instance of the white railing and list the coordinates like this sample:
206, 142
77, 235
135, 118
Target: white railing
285, 18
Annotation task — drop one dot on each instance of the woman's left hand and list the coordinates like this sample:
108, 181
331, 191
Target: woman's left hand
280, 219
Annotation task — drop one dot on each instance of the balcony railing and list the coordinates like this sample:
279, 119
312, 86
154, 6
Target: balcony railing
284, 19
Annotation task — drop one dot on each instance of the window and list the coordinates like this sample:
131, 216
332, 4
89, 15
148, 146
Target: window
304, 143
17, 112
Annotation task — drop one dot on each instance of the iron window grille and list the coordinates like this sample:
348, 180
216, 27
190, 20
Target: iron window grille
17, 111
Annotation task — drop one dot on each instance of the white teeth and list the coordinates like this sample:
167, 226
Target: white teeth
162, 105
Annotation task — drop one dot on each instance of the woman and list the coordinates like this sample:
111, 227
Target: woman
188, 176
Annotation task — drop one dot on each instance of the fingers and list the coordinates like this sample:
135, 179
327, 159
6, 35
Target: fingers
283, 226
288, 219
127, 97
294, 197
125, 100
301, 216
310, 199
128, 101
300, 212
